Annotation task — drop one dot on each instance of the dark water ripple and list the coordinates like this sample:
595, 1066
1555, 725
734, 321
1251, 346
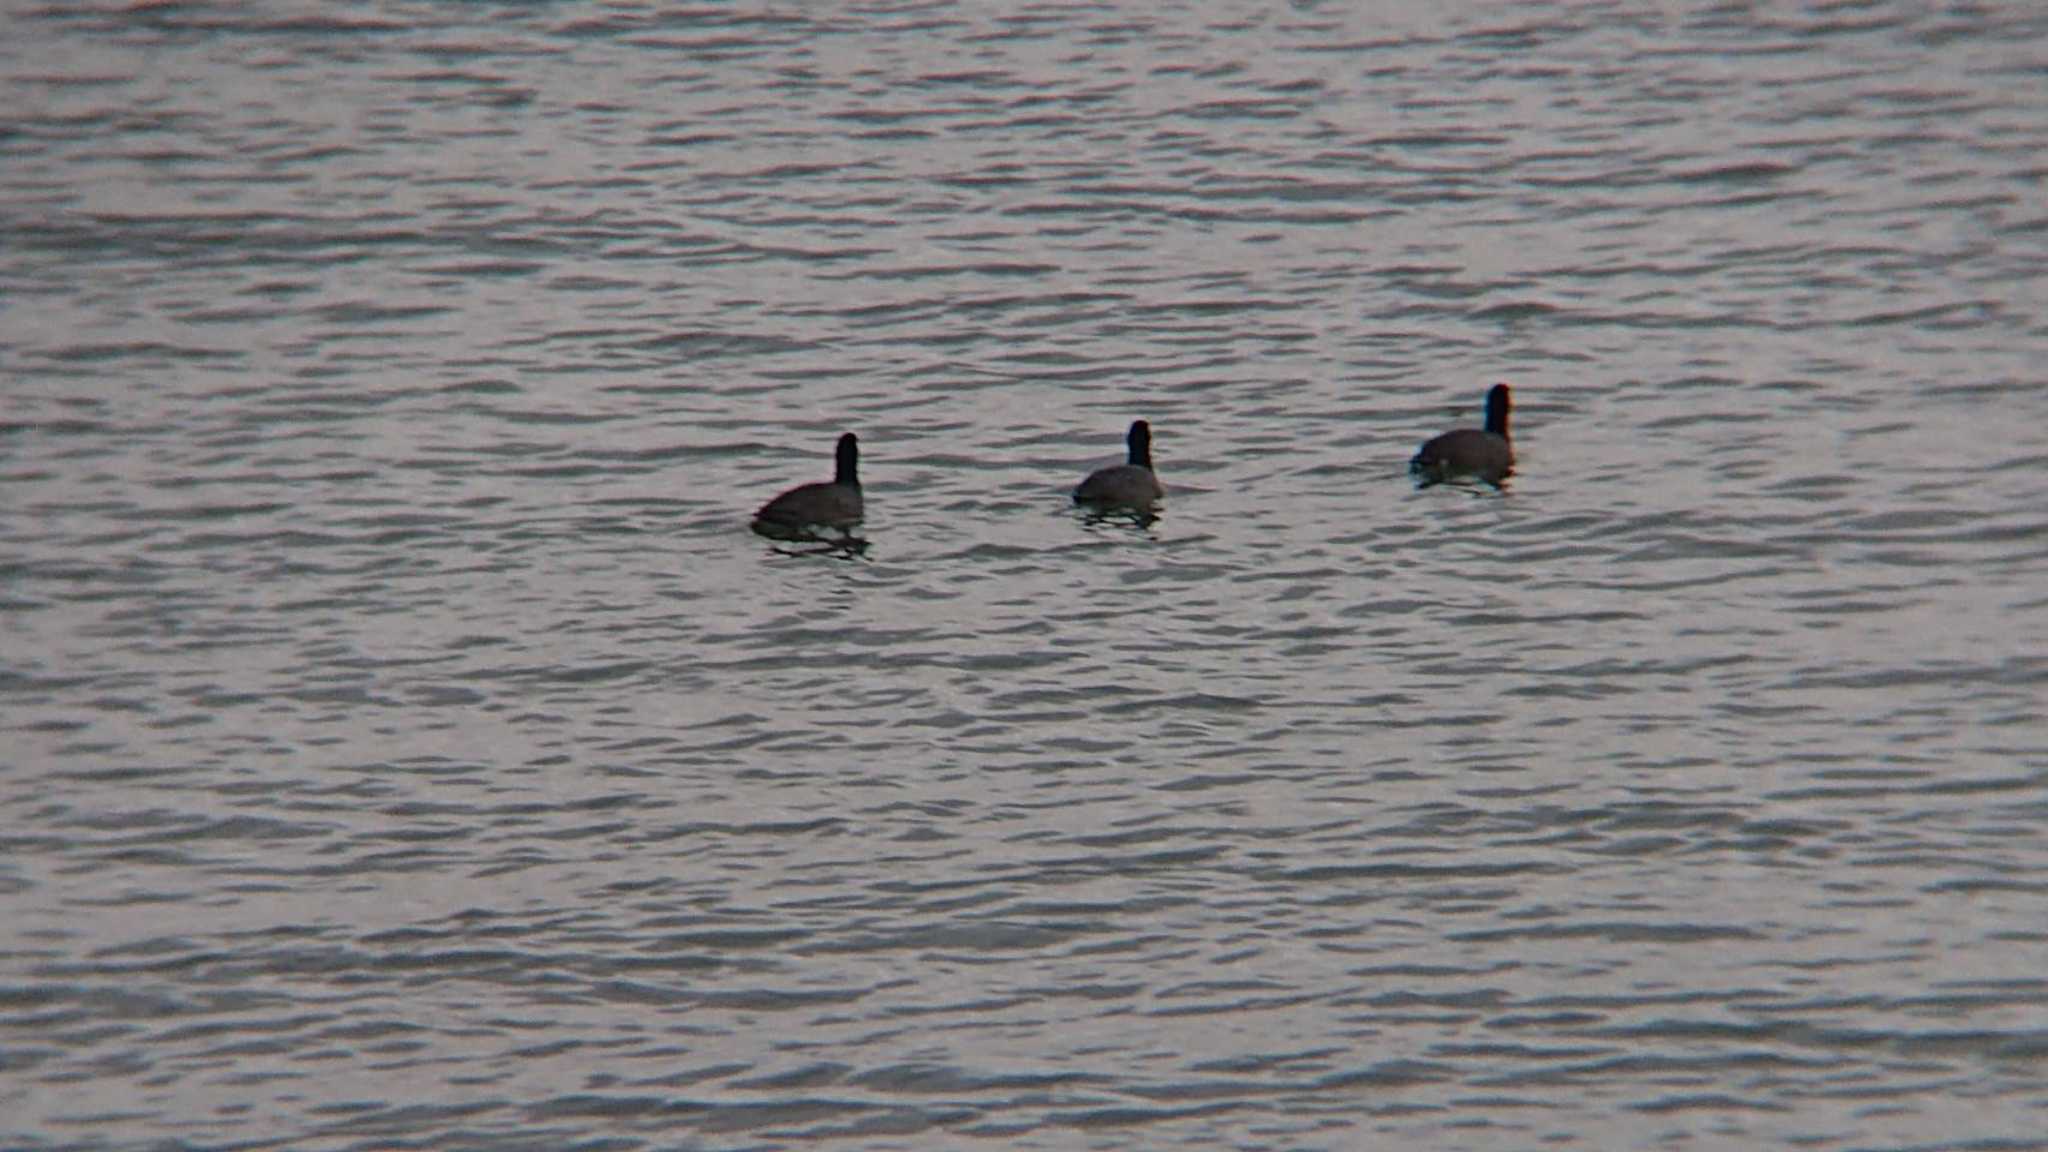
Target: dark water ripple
407, 745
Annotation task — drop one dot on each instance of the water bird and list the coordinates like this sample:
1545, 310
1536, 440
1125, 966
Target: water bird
1131, 485
1485, 453
823, 504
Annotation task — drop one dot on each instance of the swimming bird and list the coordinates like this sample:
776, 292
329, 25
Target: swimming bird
1485, 453
1132, 485
833, 504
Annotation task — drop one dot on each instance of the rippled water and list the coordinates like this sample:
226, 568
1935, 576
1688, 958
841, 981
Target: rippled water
409, 746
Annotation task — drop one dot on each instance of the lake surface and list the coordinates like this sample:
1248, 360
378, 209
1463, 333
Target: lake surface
407, 744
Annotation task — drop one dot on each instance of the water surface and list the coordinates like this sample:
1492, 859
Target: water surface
409, 746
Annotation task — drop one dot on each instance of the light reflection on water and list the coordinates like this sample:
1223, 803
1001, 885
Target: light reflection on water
410, 742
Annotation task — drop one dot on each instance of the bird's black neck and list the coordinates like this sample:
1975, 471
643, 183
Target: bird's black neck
1497, 412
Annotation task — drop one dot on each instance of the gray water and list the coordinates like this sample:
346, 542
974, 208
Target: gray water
407, 745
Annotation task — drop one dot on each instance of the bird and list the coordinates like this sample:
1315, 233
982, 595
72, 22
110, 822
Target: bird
823, 504
1131, 485
1485, 453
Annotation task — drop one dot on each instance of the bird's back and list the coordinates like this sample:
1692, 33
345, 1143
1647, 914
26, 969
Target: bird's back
1466, 452
1125, 484
826, 503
